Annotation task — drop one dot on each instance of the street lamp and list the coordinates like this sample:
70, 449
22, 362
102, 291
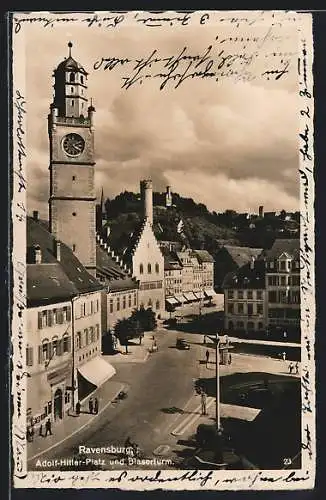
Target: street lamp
216, 341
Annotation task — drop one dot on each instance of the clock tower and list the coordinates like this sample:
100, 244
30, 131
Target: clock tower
72, 189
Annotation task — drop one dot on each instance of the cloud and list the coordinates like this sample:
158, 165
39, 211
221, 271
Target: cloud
228, 145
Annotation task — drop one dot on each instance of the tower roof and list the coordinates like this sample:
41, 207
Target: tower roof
70, 64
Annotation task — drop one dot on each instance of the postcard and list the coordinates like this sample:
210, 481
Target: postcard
163, 295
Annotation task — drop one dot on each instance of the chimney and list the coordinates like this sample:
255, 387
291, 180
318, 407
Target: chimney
261, 211
57, 250
168, 197
35, 215
146, 195
38, 254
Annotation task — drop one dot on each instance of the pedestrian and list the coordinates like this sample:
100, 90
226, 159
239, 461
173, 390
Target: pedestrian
96, 405
291, 367
78, 408
203, 402
207, 357
91, 405
285, 335
297, 368
31, 432
41, 430
204, 341
48, 427
284, 356
230, 359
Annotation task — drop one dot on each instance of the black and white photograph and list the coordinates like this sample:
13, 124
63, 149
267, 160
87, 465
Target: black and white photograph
163, 250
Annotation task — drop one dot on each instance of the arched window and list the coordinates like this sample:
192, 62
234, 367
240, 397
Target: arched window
149, 268
72, 77
157, 305
45, 350
81, 79
141, 269
55, 346
65, 343
157, 268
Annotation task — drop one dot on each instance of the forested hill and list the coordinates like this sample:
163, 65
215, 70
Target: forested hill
192, 224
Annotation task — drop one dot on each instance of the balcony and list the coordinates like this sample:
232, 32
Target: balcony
69, 120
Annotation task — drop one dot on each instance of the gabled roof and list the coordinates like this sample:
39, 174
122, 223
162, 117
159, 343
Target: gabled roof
123, 238
111, 273
203, 256
245, 277
242, 255
290, 246
75, 272
171, 261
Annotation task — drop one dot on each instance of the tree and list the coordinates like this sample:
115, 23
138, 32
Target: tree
145, 318
124, 331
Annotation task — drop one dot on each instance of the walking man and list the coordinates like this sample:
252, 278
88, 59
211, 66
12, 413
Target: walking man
291, 367
96, 405
203, 402
207, 357
78, 408
297, 368
91, 405
284, 356
48, 427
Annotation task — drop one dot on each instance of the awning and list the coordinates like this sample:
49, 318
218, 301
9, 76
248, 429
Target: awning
200, 295
209, 293
172, 301
97, 371
179, 298
193, 295
188, 296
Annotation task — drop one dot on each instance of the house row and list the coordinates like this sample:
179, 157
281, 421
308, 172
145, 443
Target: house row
264, 294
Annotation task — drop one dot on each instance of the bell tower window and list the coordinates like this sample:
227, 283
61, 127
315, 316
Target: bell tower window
72, 77
72, 102
81, 79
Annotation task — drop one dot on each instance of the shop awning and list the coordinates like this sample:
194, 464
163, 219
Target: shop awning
209, 293
193, 296
172, 301
179, 298
97, 371
188, 296
200, 295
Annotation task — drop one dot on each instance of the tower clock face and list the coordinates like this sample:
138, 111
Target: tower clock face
73, 144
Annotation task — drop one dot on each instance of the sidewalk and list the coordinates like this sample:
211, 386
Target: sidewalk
72, 424
138, 353
238, 340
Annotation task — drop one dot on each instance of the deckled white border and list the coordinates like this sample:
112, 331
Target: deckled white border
175, 480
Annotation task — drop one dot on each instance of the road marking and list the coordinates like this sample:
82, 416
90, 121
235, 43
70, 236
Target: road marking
188, 421
161, 450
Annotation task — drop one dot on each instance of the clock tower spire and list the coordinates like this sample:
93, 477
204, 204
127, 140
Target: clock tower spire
71, 135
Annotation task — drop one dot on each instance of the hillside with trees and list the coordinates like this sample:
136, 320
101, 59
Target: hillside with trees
193, 225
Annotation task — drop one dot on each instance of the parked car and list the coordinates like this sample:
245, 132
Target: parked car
182, 344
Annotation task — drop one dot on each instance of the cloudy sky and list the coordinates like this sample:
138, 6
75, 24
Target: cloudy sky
227, 144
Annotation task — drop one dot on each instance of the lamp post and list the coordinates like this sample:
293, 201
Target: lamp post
216, 341
217, 375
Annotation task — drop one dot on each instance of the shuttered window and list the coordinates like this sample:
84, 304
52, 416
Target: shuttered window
29, 356
60, 316
68, 313
50, 317
39, 320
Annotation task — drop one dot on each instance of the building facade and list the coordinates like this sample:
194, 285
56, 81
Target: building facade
283, 284
245, 299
